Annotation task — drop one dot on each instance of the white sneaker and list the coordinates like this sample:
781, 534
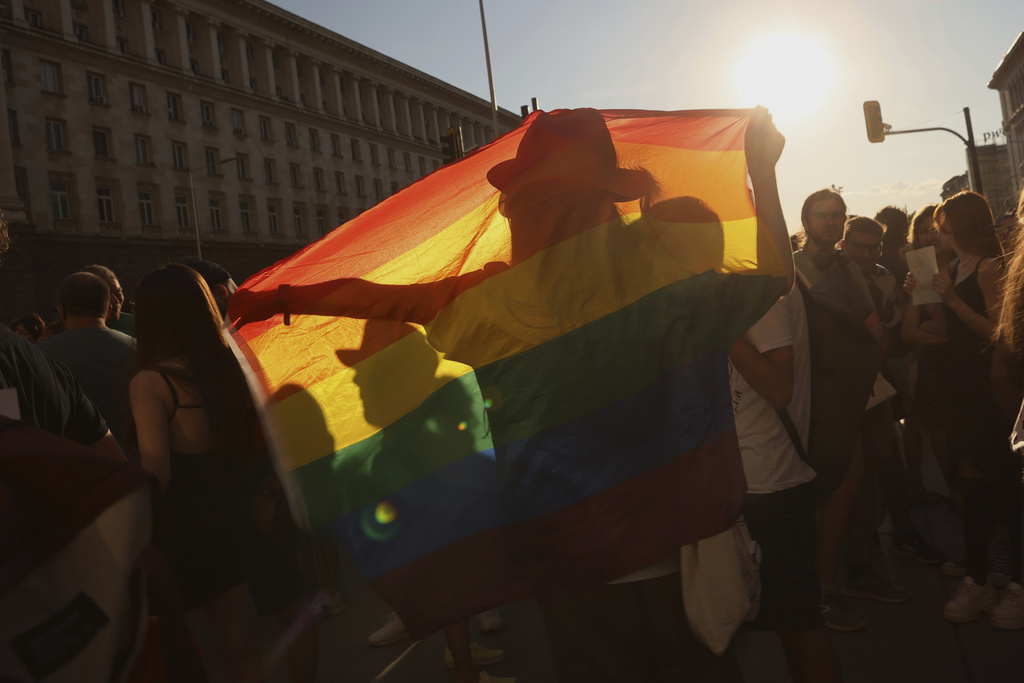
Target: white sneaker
970, 601
392, 631
490, 621
1009, 613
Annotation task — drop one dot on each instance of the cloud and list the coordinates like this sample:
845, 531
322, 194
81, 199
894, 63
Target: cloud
900, 188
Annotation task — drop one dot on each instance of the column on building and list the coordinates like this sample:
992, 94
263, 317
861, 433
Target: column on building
316, 82
263, 68
102, 29
404, 115
353, 96
370, 92
333, 99
177, 38
18, 12
237, 57
65, 21
419, 117
389, 114
206, 46
289, 73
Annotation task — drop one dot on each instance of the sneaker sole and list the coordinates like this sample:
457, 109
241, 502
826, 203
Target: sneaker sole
450, 663
904, 555
964, 618
1007, 624
892, 600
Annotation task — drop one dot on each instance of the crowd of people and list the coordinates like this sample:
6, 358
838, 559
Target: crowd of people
160, 384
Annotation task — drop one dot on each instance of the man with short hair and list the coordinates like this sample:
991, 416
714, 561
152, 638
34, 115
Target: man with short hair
117, 319
101, 359
42, 392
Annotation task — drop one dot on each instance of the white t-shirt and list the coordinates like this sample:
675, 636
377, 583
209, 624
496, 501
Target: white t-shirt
770, 460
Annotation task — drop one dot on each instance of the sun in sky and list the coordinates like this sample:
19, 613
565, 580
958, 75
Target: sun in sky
787, 72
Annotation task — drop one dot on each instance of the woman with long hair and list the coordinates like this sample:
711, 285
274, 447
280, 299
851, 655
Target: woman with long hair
924, 327
196, 429
987, 472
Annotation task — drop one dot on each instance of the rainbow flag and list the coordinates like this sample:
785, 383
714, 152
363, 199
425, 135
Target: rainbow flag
486, 411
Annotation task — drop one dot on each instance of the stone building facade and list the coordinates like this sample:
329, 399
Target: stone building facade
1008, 79
143, 130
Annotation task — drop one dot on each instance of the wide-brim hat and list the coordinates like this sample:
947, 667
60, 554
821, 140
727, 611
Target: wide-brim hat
569, 144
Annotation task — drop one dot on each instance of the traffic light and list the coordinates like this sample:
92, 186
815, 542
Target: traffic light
451, 145
873, 120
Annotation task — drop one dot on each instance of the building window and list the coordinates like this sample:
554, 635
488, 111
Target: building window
243, 213
100, 143
268, 170
141, 150
181, 210
318, 179
423, 166
394, 187
252, 84
407, 160
273, 60
297, 220
221, 45
194, 65
157, 21
13, 128
137, 97
225, 76
146, 208
342, 214
373, 155
178, 155
237, 122
321, 223
118, 8
105, 204
60, 200
173, 106
190, 32
289, 133
81, 32
293, 171
34, 18
211, 161
97, 87
378, 190
215, 223
122, 45
391, 158
55, 136
436, 164
339, 183
206, 113
161, 56
249, 55
271, 218
5, 58
49, 77
264, 128
242, 163
357, 155
360, 189
335, 145
314, 140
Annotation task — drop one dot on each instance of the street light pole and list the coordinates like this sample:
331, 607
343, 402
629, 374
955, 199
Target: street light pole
195, 207
490, 76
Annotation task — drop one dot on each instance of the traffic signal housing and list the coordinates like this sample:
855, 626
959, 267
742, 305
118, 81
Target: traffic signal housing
451, 145
873, 121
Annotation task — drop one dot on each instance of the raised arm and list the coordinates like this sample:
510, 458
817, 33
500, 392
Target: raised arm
764, 144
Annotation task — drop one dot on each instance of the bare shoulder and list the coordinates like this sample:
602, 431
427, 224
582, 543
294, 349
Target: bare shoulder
147, 382
990, 271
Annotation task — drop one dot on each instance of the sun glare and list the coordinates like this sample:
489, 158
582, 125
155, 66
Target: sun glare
787, 72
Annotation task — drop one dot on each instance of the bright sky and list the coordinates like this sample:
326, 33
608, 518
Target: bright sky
813, 63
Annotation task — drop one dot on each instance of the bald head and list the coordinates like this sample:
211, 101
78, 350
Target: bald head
83, 296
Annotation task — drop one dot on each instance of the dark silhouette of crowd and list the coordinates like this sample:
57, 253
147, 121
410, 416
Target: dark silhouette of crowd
937, 297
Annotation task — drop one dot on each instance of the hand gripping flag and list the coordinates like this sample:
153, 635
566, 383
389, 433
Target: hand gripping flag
509, 379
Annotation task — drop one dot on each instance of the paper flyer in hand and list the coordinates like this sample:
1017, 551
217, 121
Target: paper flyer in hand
923, 267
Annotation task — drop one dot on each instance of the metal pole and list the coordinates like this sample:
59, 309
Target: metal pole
490, 76
972, 151
195, 215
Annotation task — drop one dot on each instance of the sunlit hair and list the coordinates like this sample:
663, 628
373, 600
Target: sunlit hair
923, 220
896, 223
5, 237
815, 197
970, 218
864, 226
176, 319
1010, 328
